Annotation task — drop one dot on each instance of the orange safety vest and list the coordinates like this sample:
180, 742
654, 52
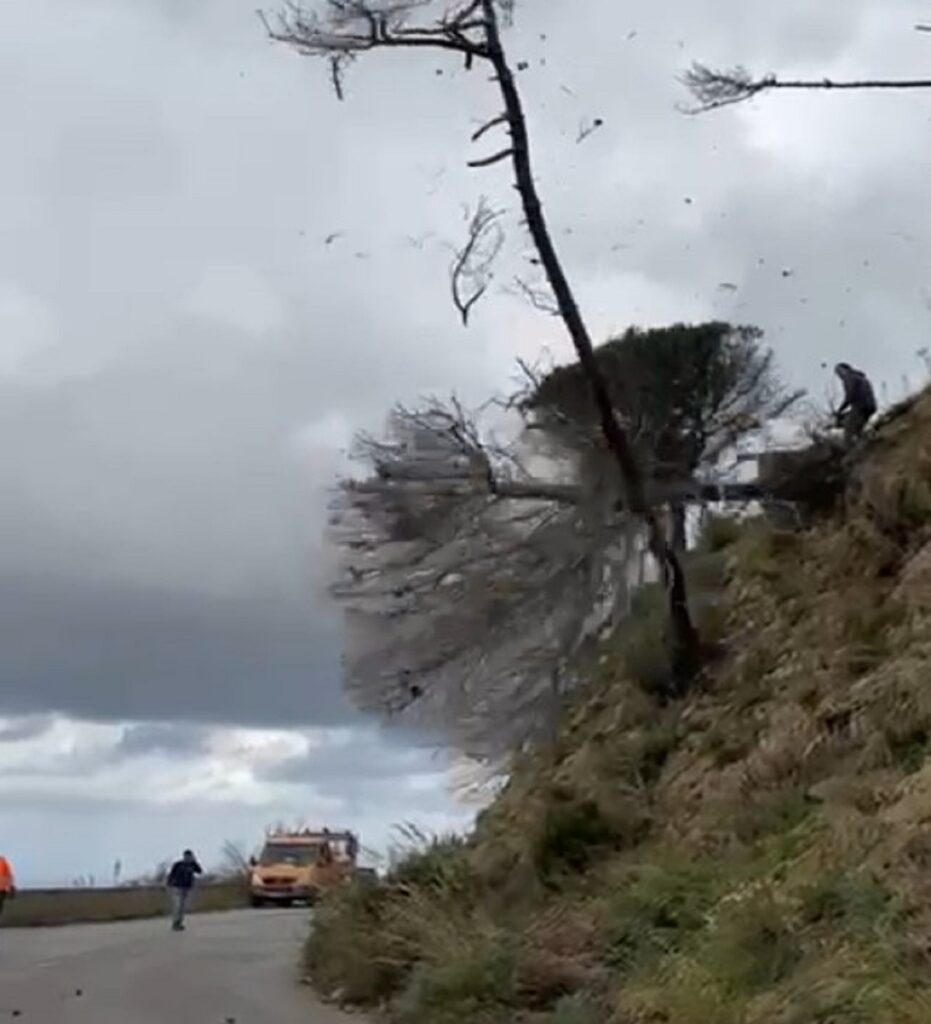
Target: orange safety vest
6, 875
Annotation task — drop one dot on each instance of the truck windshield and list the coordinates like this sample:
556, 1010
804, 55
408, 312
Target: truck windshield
287, 853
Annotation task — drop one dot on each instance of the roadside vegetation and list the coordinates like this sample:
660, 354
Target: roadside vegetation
756, 852
33, 908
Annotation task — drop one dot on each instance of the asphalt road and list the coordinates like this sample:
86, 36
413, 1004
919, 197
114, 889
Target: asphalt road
238, 967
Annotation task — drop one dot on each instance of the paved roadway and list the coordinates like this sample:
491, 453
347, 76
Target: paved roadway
239, 967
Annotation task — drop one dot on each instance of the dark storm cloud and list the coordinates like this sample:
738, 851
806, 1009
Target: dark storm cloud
121, 653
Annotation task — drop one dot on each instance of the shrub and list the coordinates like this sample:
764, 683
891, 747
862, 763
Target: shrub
461, 976
574, 832
719, 532
656, 909
347, 954
842, 898
752, 945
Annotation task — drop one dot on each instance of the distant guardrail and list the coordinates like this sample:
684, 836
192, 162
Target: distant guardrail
35, 908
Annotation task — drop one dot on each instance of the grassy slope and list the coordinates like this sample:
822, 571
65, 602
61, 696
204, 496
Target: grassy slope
758, 853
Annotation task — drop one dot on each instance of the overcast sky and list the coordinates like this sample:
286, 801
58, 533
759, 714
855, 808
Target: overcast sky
183, 357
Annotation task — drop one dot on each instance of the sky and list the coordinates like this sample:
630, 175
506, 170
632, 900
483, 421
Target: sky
184, 357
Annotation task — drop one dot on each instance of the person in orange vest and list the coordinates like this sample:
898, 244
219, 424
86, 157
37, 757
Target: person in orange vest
7, 884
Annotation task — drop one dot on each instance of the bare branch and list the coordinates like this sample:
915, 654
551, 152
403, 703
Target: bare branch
355, 26
715, 89
471, 272
494, 159
493, 123
541, 299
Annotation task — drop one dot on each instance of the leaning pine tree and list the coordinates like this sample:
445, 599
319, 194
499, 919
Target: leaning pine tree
343, 30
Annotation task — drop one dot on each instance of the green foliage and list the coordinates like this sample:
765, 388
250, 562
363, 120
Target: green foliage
575, 832
752, 944
908, 745
643, 641
430, 861
684, 389
655, 909
770, 812
719, 533
846, 898
459, 982
346, 951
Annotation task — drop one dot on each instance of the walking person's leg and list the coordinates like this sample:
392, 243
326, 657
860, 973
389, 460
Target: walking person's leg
177, 909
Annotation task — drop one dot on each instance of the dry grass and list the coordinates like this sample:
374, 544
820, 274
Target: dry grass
33, 908
758, 853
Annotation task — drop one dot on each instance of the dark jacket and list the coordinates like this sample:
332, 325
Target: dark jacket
182, 874
858, 394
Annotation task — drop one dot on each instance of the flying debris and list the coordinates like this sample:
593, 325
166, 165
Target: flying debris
331, 238
586, 130
631, 35
688, 200
787, 272
727, 286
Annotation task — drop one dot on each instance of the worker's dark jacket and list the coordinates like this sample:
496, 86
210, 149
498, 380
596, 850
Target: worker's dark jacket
859, 394
182, 874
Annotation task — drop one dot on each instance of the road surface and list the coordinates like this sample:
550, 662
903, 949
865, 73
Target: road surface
238, 967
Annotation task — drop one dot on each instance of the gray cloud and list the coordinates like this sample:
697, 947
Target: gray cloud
369, 756
111, 652
27, 728
174, 739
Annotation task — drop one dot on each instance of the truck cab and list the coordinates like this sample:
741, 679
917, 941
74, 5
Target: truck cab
299, 866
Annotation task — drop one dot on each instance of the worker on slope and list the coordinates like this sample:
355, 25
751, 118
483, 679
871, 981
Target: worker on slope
180, 883
7, 882
859, 401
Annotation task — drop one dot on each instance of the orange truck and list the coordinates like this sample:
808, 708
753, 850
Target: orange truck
298, 866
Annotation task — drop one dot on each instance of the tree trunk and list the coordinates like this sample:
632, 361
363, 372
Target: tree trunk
684, 636
678, 530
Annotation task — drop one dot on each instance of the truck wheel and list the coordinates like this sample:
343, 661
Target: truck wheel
256, 902
287, 903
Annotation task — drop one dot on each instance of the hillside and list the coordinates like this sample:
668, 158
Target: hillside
758, 853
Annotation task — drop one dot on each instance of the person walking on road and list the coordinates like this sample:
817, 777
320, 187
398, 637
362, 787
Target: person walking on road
180, 883
7, 882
